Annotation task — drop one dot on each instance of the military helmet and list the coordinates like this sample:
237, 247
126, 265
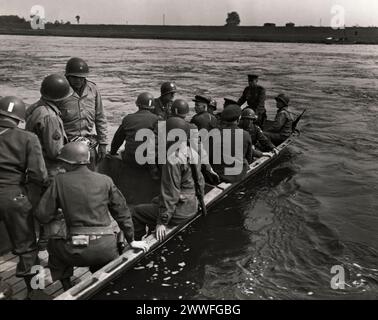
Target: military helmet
75, 153
13, 107
180, 107
168, 87
77, 67
283, 98
213, 104
177, 123
145, 100
55, 87
248, 113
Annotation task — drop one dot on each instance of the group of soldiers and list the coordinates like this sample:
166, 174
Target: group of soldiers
48, 171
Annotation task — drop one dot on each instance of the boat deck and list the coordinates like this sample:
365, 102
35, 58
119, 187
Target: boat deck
8, 264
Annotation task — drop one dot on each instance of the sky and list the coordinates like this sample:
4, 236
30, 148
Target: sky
198, 12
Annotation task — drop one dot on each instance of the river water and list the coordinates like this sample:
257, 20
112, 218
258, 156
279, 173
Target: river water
280, 235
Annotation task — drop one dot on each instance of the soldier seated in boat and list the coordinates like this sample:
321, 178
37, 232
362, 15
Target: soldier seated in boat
177, 202
212, 106
232, 164
259, 140
180, 108
281, 129
85, 198
164, 102
22, 175
203, 119
131, 124
254, 95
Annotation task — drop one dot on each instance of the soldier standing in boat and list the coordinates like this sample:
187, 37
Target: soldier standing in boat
164, 102
281, 128
254, 95
85, 198
177, 202
44, 119
22, 170
82, 112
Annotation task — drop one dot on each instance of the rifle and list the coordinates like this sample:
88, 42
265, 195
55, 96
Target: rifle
295, 122
197, 187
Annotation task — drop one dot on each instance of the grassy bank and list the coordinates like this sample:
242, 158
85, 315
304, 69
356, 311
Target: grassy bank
214, 33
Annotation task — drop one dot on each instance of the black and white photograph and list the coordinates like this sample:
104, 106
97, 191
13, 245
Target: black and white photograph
188, 156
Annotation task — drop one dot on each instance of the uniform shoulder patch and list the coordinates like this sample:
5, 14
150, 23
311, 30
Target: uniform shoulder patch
56, 135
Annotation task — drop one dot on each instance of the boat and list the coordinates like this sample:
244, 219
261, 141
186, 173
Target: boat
131, 257
135, 192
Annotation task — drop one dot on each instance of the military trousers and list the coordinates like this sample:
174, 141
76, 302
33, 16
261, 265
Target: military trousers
64, 256
16, 213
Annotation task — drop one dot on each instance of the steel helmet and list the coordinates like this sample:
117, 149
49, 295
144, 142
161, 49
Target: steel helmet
213, 104
77, 67
248, 113
75, 153
180, 108
283, 98
145, 100
177, 123
13, 107
168, 87
55, 87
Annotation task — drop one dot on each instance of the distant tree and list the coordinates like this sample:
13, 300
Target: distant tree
56, 22
68, 22
77, 19
233, 19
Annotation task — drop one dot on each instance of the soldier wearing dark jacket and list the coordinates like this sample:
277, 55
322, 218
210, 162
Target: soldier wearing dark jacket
85, 198
83, 113
44, 119
131, 124
282, 126
203, 119
240, 152
164, 102
22, 175
247, 122
177, 202
255, 96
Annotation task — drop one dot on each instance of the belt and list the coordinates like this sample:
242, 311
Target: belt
94, 231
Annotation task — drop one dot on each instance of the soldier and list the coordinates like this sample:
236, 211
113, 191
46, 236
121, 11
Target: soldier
255, 97
229, 121
282, 126
22, 170
212, 107
203, 119
82, 112
177, 202
248, 123
44, 119
164, 102
131, 124
85, 198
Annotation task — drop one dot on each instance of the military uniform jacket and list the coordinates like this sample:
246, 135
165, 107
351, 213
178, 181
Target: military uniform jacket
257, 136
131, 124
43, 119
282, 123
85, 197
161, 110
82, 114
255, 97
21, 159
204, 120
177, 195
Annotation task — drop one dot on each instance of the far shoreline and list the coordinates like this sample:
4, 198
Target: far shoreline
315, 35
